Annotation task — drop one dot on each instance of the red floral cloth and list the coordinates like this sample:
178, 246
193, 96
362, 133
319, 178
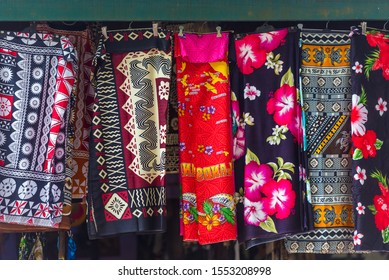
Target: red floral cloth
205, 135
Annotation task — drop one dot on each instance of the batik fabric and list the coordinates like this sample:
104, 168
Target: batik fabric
270, 189
205, 136
369, 135
326, 90
37, 73
80, 122
126, 191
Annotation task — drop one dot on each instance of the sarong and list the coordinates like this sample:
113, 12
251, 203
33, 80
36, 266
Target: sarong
270, 188
326, 90
369, 135
205, 135
126, 191
80, 122
36, 79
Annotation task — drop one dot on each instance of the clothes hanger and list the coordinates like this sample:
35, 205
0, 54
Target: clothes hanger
265, 27
218, 32
326, 29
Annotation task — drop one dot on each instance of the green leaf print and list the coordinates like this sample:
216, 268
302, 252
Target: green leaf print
378, 144
207, 206
250, 156
268, 225
385, 235
228, 214
288, 78
357, 154
372, 209
193, 211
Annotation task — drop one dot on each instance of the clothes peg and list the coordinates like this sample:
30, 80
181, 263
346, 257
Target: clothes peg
104, 32
364, 27
155, 29
181, 33
218, 29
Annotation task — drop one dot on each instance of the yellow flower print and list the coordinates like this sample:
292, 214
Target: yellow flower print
206, 116
181, 112
201, 148
185, 219
210, 222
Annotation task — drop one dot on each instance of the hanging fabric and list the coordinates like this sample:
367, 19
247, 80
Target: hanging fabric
80, 122
369, 128
270, 187
37, 75
31, 246
326, 90
205, 135
126, 191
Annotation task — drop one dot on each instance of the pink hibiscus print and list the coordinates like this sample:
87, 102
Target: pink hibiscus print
256, 176
254, 212
282, 105
251, 92
358, 116
239, 143
381, 106
295, 126
249, 54
280, 198
271, 40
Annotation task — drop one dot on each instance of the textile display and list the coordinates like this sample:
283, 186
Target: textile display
270, 188
326, 90
80, 122
369, 129
37, 73
205, 136
126, 191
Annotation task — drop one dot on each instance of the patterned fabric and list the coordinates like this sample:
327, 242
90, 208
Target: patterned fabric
36, 79
270, 192
326, 90
208, 210
31, 246
128, 140
172, 143
369, 128
80, 121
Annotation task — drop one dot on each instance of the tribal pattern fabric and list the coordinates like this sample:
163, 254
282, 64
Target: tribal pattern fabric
206, 168
37, 73
369, 136
80, 121
126, 191
326, 90
172, 142
270, 188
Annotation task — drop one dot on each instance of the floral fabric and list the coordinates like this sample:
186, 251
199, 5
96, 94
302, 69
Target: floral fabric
369, 127
268, 137
205, 135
